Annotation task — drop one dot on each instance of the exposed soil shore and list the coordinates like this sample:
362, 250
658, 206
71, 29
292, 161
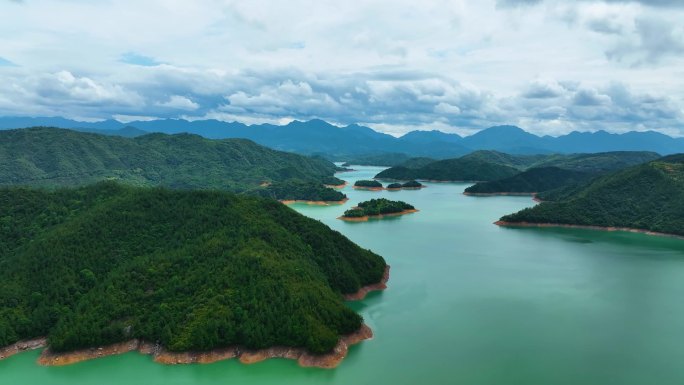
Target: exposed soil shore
587, 227
336, 186
22, 346
246, 356
379, 216
369, 188
515, 194
316, 203
430, 180
363, 292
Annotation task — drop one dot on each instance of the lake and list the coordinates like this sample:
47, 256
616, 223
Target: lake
468, 303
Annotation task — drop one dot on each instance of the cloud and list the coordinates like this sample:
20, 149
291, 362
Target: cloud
178, 102
543, 89
590, 97
6, 63
138, 59
516, 3
552, 66
654, 40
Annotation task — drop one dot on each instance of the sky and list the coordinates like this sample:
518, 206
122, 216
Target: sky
548, 66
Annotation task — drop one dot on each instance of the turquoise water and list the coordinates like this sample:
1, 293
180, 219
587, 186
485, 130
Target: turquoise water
469, 303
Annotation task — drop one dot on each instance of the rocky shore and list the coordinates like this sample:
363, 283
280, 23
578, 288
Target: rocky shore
379, 216
246, 356
363, 292
316, 203
587, 227
515, 194
22, 346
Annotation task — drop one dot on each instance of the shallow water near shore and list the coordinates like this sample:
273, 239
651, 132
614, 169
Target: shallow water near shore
468, 303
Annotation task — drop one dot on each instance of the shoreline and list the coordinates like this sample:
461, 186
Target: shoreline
369, 188
246, 356
315, 203
431, 180
363, 291
588, 227
336, 186
366, 218
515, 194
22, 346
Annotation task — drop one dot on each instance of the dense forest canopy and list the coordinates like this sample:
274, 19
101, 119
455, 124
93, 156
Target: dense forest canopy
648, 196
509, 169
533, 180
461, 169
52, 157
376, 207
193, 270
368, 183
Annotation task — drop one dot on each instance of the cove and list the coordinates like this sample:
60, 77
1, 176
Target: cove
468, 303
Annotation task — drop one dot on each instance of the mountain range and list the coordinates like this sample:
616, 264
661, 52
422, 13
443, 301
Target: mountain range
343, 143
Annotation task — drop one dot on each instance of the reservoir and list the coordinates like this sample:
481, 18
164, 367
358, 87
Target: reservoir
468, 303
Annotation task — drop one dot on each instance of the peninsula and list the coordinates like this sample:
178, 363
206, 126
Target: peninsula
646, 198
188, 276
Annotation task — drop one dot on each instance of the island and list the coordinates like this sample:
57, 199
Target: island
410, 185
183, 275
647, 198
372, 185
377, 208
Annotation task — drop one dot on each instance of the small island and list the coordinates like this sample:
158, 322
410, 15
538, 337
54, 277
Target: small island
377, 208
372, 185
411, 185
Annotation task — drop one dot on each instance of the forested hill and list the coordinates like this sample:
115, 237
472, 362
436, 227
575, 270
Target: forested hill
193, 270
478, 166
648, 196
530, 181
57, 157
562, 172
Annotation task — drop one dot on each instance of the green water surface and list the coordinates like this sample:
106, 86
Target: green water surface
468, 303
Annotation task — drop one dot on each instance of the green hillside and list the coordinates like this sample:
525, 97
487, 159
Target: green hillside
460, 169
648, 196
598, 162
530, 181
55, 157
193, 270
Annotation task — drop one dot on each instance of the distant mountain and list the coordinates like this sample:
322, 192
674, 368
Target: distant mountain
340, 143
648, 197
57, 157
509, 139
383, 159
428, 137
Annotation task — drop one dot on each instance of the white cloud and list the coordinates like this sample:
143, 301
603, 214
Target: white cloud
178, 102
456, 64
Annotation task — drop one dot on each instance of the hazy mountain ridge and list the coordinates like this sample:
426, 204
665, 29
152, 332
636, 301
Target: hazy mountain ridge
343, 143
